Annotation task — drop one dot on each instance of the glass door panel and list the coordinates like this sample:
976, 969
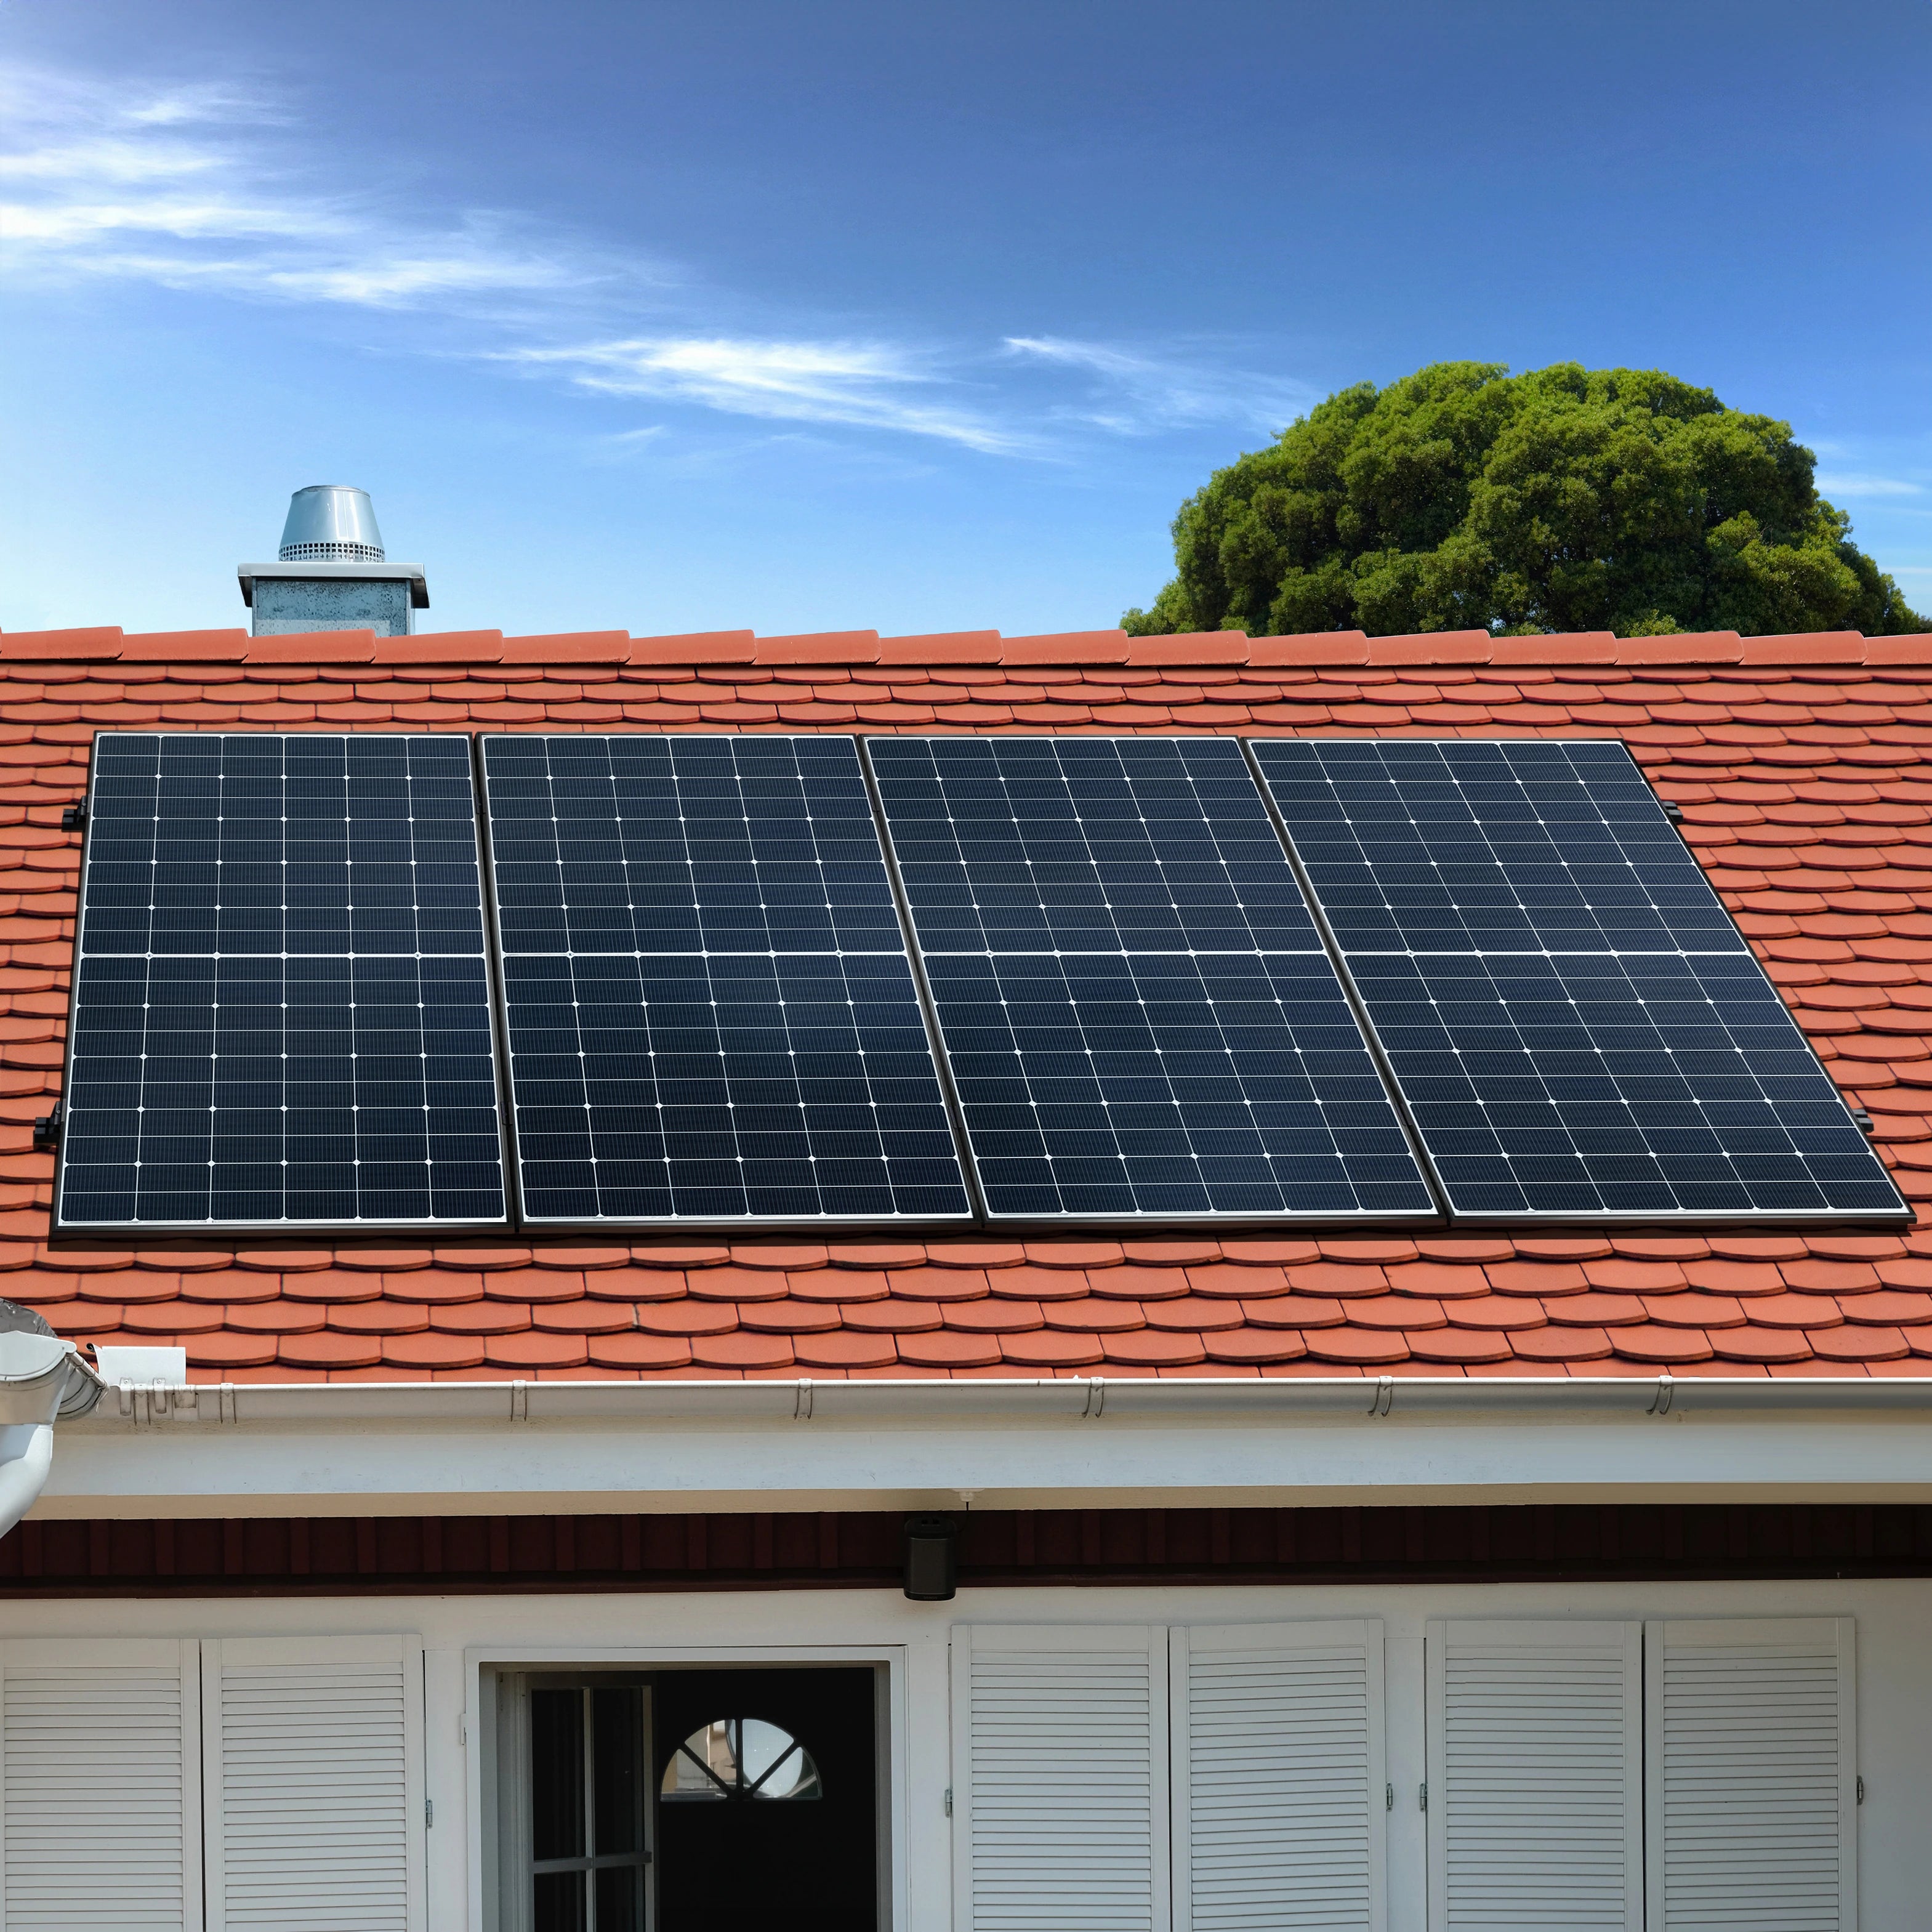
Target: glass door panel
589, 1755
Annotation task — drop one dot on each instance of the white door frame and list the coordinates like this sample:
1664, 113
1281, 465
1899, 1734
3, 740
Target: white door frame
894, 1899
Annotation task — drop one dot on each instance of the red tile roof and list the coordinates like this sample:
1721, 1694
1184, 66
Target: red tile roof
1799, 762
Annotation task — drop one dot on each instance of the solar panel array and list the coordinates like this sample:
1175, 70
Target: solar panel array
712, 1015
281, 1011
1575, 1024
1137, 1010
1082, 978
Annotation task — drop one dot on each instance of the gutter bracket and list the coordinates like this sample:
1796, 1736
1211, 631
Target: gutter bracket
1096, 1398
801, 1404
520, 1402
1660, 1403
225, 1396
1382, 1398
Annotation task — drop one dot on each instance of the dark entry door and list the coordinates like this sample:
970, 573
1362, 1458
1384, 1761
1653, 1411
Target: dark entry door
767, 1806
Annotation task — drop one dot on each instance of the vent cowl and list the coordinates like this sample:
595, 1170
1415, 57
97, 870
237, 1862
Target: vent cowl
331, 522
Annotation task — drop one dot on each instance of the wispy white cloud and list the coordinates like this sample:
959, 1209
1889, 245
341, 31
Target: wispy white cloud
1835, 485
1134, 392
874, 385
175, 186
209, 189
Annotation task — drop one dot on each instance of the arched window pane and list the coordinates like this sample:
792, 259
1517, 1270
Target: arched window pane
740, 1757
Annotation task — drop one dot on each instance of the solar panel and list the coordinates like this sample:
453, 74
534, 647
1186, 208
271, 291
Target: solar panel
281, 1011
1138, 1012
712, 1015
1574, 1021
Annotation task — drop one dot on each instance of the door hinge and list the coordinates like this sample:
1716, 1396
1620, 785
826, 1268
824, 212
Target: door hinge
1861, 1791
429, 1813
948, 1801
1422, 1792
463, 1728
1388, 1797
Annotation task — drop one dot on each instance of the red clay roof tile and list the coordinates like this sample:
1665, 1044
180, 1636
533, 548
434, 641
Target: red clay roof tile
1760, 1345
1858, 1344
1560, 1346
1358, 1347
844, 1349
949, 1349
739, 1351
1052, 1348
635, 1350
330, 1349
1254, 1345
1653, 1342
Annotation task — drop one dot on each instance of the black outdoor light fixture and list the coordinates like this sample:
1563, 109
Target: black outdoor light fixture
931, 1559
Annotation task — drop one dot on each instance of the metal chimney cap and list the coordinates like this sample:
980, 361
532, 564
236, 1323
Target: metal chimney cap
331, 522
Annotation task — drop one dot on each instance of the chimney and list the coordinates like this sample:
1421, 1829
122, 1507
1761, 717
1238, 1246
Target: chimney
333, 574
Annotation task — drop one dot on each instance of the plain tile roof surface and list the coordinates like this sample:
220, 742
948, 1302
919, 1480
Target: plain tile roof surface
1798, 762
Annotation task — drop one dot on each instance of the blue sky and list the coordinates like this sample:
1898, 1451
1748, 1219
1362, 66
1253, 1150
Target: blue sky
917, 317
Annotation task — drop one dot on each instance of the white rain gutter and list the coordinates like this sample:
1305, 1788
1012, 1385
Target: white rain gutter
351, 1405
41, 1378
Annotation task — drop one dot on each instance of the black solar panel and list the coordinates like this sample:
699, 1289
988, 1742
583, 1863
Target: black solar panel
712, 1015
1138, 1012
281, 1011
1575, 1023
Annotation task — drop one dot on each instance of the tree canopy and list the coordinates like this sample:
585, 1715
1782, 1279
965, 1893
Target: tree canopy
1564, 499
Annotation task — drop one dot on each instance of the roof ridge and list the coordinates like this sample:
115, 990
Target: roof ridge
1231, 648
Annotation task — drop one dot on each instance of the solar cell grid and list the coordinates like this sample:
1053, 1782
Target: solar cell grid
1575, 1024
281, 1009
712, 1016
1137, 1013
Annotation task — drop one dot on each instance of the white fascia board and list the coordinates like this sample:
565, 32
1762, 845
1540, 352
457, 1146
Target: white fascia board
494, 1448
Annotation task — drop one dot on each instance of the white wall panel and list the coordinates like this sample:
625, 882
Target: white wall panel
1535, 1780
1060, 1777
314, 1767
1752, 1810
1278, 1777
100, 1784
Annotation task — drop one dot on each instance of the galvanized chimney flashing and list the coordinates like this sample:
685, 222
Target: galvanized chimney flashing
333, 573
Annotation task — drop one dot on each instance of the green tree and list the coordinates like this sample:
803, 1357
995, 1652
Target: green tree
1564, 499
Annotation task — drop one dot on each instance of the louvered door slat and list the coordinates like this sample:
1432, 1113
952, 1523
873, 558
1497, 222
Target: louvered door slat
1753, 1775
314, 1779
1060, 1808
100, 1785
1534, 1753
1277, 1777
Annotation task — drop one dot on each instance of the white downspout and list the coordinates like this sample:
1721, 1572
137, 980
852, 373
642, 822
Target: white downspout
41, 1378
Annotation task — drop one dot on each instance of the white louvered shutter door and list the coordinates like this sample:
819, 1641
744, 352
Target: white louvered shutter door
314, 1783
1278, 1820
1535, 1777
1752, 1819
1060, 1806
100, 1785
